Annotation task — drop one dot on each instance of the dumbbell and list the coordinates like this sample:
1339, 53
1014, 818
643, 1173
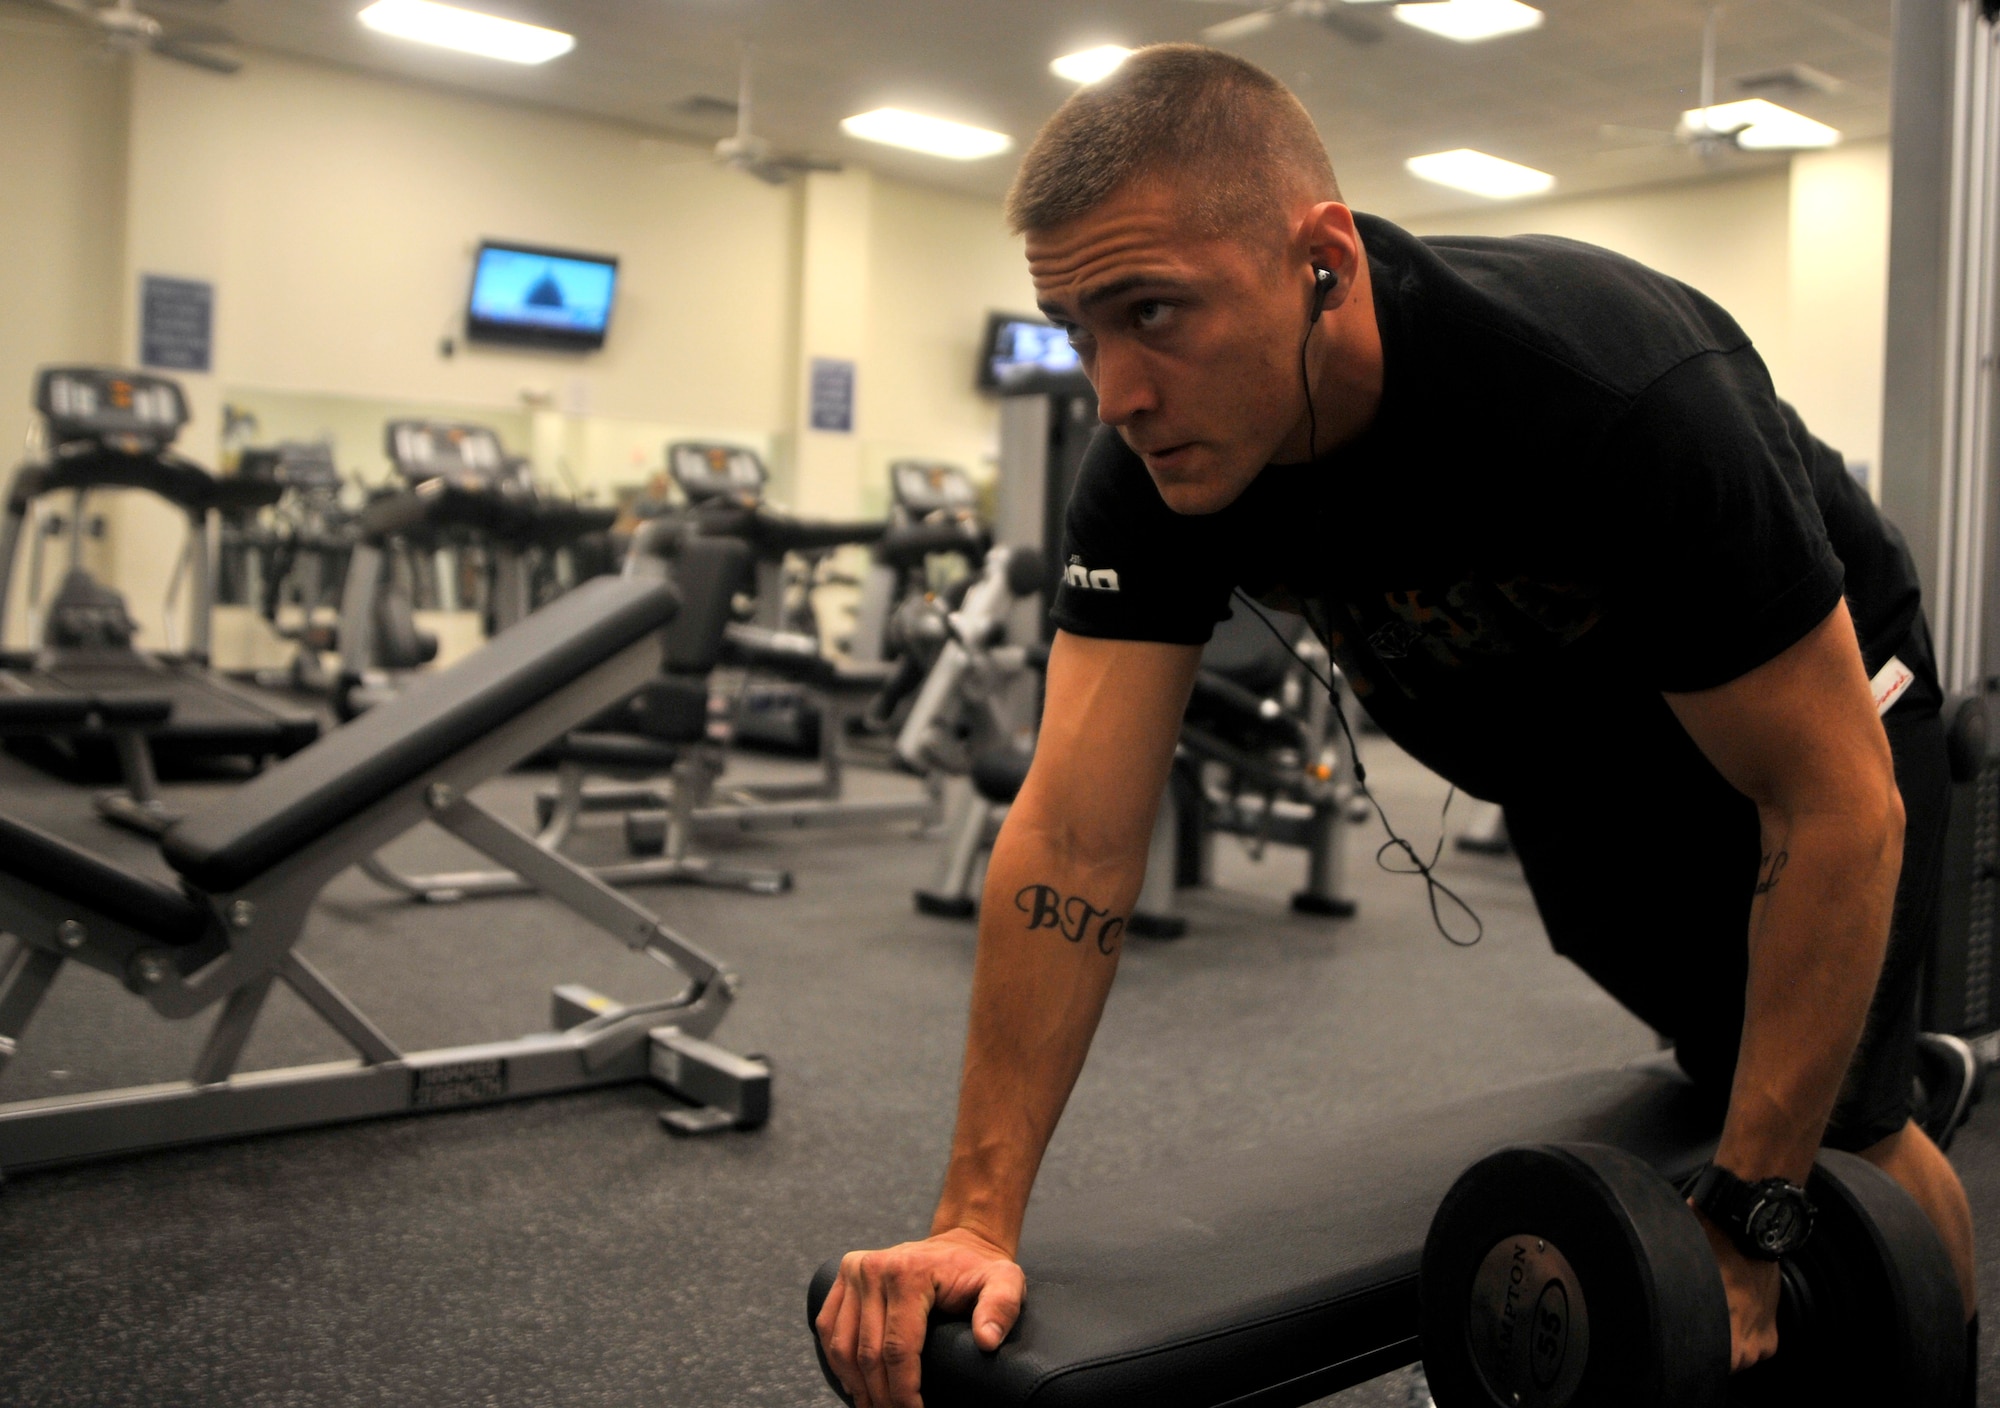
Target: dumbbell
1574, 1276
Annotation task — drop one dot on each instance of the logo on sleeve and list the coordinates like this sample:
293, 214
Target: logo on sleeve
1103, 579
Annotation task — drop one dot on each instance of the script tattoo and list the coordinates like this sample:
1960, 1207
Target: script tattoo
1769, 869
1072, 916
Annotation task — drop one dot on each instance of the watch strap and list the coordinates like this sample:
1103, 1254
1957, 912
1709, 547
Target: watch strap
1728, 1202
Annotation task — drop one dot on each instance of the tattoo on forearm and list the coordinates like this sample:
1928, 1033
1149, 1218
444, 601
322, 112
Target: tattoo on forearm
1072, 916
1769, 869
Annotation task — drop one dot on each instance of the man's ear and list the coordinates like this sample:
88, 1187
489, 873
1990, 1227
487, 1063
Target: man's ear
1331, 242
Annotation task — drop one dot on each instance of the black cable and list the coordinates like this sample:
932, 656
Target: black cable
1312, 415
1433, 887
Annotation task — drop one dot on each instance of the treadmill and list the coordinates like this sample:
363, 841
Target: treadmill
479, 495
460, 495
106, 429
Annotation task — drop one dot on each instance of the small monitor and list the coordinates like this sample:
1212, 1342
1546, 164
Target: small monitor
100, 404
1023, 354
540, 297
423, 450
922, 487
706, 472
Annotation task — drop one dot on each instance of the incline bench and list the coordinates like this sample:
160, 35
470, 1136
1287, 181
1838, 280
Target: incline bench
252, 865
1276, 1277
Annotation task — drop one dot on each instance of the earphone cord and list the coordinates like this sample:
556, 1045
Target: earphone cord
1433, 887
1312, 416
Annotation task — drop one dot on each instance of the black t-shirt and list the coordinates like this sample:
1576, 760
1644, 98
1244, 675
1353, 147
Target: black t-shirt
1580, 490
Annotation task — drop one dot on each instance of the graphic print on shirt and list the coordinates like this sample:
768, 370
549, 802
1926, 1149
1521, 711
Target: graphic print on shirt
1409, 636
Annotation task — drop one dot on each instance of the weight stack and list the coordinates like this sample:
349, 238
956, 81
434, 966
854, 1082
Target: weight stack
1962, 988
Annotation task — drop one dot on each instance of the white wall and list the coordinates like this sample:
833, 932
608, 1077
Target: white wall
1839, 291
338, 215
62, 158
940, 263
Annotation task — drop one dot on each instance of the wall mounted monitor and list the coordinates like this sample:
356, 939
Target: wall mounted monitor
1024, 354
540, 297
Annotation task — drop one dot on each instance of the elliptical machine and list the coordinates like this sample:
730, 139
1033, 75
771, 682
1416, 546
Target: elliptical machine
936, 539
290, 562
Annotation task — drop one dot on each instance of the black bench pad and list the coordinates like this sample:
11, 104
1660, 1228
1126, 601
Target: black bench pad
96, 886
289, 806
1286, 1273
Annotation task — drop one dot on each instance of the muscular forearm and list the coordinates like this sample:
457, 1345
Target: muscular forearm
1050, 931
1819, 927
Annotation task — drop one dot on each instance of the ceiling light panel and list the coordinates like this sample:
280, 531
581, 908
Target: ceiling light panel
467, 31
1467, 170
1759, 126
1089, 65
934, 136
1469, 21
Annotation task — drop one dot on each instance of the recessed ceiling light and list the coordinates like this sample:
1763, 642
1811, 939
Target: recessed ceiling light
1482, 175
467, 31
1089, 65
935, 136
1469, 21
1759, 126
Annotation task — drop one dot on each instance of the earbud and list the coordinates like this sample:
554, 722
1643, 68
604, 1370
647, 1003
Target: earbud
1324, 282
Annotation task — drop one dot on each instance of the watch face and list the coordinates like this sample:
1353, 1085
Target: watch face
1777, 1224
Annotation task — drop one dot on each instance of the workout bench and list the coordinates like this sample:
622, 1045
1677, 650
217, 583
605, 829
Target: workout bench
1277, 1277
1563, 1272
252, 865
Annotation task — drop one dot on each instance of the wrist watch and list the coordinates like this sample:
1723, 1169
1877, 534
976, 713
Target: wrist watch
1768, 1220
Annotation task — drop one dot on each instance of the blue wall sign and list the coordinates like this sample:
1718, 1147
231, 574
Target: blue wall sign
176, 323
832, 394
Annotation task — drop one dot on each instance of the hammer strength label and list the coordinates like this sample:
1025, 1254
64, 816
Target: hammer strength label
460, 1083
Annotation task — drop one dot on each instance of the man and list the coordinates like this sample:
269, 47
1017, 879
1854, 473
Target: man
1572, 551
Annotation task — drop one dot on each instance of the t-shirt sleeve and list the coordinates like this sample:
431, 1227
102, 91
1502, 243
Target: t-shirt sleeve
1727, 563
1132, 568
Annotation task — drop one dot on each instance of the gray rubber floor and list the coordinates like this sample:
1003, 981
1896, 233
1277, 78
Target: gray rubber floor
568, 1252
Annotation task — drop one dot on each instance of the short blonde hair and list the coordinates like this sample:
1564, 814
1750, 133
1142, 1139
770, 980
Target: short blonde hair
1238, 141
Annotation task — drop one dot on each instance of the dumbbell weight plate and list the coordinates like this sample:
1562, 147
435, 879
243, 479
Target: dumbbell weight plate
1571, 1276
1870, 1310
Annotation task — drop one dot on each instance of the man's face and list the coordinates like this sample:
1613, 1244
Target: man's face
1192, 342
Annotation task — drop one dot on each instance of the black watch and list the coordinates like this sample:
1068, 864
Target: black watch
1768, 1220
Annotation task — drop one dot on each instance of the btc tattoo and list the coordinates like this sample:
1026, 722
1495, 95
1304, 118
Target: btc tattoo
1072, 916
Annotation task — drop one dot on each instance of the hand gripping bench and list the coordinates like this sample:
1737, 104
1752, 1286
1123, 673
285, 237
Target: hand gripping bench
1276, 1277
252, 865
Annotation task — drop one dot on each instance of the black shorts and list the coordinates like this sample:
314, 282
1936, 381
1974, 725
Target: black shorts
1648, 890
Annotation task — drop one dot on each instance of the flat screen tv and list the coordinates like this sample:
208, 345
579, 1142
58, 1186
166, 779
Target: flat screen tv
540, 297
1024, 354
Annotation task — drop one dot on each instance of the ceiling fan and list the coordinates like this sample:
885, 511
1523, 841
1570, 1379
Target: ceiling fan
1709, 131
126, 29
745, 151
1339, 16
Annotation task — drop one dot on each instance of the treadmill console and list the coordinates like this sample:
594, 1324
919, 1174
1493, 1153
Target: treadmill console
132, 411
922, 488
470, 455
709, 472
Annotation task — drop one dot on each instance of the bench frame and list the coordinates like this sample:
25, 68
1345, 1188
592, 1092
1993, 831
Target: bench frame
250, 946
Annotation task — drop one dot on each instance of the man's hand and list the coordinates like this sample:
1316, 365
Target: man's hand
872, 1325
1752, 1287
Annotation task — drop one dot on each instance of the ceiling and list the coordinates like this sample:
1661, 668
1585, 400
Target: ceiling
1541, 98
